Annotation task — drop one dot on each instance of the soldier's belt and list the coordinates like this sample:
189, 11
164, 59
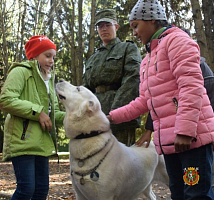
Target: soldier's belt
104, 88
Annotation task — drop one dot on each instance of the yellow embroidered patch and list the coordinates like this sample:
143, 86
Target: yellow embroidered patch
191, 176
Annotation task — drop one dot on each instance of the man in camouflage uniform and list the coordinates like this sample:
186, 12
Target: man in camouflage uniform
112, 73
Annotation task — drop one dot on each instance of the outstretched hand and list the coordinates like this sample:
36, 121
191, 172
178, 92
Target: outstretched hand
146, 137
45, 121
109, 118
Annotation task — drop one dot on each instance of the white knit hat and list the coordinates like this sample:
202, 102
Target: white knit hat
147, 10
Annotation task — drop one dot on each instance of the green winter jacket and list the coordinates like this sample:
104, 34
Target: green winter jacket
24, 95
117, 64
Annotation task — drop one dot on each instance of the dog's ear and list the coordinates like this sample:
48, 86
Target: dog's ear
90, 107
86, 107
90, 104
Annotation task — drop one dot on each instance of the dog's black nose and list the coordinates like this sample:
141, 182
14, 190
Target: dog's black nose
61, 80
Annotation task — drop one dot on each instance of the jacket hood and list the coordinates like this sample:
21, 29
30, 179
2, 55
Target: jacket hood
27, 64
161, 35
166, 32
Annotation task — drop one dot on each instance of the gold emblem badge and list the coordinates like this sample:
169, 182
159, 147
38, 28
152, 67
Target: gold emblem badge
191, 176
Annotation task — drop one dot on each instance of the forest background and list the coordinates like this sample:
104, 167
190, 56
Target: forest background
70, 24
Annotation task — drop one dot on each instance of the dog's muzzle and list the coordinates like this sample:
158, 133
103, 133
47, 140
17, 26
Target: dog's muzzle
59, 85
61, 97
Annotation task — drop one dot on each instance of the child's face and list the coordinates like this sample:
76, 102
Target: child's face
46, 59
143, 30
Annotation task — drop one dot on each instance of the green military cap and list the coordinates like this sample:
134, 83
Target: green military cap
106, 15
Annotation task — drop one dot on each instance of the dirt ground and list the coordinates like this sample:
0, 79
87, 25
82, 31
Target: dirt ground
60, 182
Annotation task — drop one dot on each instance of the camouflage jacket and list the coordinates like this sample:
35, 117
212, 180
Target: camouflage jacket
116, 65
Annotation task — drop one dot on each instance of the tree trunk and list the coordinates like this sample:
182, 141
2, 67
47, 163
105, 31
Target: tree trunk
69, 41
5, 50
92, 30
17, 56
199, 28
22, 30
208, 11
80, 46
51, 19
73, 50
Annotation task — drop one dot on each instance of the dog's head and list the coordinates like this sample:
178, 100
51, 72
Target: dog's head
82, 107
77, 99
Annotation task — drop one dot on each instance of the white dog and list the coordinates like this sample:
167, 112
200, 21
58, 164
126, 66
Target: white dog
101, 167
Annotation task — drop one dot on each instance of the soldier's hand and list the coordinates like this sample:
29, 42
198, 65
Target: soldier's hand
146, 137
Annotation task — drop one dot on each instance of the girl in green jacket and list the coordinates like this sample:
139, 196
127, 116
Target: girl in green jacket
29, 135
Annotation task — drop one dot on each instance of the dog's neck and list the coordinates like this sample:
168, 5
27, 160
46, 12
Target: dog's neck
86, 135
86, 125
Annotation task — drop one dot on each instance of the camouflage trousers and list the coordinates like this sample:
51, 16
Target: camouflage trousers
125, 136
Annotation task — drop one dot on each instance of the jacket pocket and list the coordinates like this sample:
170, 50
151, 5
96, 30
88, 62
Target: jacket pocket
118, 57
175, 101
114, 64
25, 126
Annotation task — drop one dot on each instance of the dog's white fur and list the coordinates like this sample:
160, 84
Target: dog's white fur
124, 172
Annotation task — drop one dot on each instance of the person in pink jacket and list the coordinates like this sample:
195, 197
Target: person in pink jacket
172, 89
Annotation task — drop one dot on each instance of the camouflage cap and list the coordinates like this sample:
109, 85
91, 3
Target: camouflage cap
106, 15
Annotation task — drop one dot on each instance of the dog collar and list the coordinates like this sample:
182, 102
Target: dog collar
91, 134
94, 175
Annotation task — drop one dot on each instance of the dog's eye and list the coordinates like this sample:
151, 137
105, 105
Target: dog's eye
78, 89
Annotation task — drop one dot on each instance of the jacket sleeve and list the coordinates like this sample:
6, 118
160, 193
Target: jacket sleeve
85, 76
129, 88
59, 115
10, 101
184, 58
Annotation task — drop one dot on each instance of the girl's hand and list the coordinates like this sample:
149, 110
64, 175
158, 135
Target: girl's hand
146, 137
45, 121
182, 143
109, 118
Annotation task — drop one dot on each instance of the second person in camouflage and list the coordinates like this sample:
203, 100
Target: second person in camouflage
112, 73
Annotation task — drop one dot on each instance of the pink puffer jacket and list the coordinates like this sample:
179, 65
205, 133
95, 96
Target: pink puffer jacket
172, 90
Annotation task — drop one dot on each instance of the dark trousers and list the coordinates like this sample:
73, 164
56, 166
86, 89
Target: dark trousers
32, 176
190, 174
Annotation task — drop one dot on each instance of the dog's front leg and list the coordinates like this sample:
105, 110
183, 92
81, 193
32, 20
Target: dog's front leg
148, 193
79, 195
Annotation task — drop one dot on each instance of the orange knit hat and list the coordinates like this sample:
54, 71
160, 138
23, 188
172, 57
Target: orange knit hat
38, 44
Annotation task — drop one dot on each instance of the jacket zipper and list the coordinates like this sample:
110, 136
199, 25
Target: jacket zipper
143, 72
156, 67
176, 104
54, 122
25, 126
152, 103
